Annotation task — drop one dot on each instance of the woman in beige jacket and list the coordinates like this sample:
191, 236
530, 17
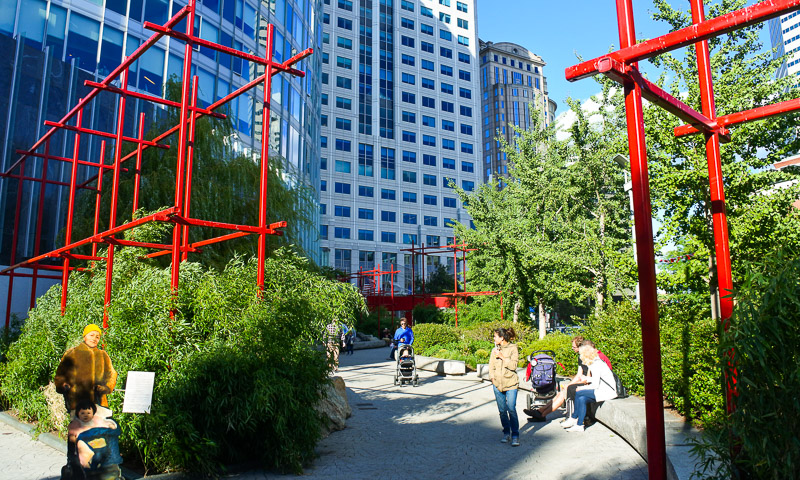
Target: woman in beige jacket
503, 374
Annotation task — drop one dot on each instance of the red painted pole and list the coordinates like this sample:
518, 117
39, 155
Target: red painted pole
112, 220
181, 167
266, 114
413, 269
651, 344
721, 247
98, 198
501, 308
138, 172
424, 259
14, 242
73, 179
39, 215
455, 279
187, 199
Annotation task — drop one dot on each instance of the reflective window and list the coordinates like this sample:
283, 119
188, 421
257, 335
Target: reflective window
84, 35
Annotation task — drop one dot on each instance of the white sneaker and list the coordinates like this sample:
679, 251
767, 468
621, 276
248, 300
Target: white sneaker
505, 439
570, 422
515, 441
575, 428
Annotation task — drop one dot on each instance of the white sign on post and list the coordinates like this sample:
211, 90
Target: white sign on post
138, 392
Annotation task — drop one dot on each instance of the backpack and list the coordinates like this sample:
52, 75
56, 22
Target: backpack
543, 372
622, 392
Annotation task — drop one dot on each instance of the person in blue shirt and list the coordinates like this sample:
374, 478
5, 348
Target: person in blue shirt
402, 335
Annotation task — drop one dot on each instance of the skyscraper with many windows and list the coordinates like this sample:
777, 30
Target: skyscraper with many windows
52, 46
512, 82
400, 125
784, 34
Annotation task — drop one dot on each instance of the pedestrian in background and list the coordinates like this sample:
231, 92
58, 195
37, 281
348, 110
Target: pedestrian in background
505, 381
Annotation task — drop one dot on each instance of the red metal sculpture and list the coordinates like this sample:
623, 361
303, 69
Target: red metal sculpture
622, 66
179, 213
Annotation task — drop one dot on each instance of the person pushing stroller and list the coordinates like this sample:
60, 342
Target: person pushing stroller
402, 336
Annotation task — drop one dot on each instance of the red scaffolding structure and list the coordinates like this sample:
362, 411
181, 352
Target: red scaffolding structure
179, 213
622, 67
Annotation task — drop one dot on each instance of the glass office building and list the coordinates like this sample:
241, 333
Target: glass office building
400, 124
51, 47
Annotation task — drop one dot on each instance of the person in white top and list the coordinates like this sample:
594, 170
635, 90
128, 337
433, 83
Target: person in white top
601, 387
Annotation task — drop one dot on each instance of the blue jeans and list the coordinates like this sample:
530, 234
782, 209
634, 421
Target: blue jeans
507, 405
582, 399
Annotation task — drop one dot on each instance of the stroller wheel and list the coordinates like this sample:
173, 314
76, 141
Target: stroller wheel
395, 381
416, 382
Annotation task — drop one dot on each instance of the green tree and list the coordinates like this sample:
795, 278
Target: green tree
439, 281
558, 229
760, 217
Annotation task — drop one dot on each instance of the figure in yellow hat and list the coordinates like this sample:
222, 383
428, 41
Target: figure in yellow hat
85, 372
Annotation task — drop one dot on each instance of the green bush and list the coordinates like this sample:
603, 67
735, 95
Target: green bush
690, 368
432, 334
423, 313
764, 333
236, 377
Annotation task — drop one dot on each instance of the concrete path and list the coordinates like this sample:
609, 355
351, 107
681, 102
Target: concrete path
449, 428
22, 458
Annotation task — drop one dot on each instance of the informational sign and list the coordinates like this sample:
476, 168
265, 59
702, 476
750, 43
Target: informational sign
138, 392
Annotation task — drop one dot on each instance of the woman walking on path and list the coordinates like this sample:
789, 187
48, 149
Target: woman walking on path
503, 374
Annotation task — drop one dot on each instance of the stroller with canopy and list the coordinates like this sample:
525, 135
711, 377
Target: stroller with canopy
406, 366
541, 372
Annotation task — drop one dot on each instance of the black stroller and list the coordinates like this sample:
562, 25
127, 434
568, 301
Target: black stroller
542, 375
406, 366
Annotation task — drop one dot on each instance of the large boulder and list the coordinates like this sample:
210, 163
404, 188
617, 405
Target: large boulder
334, 406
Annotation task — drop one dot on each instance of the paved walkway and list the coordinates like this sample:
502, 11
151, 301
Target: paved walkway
447, 428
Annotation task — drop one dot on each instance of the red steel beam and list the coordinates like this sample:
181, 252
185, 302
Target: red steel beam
717, 189
31, 275
656, 95
645, 256
160, 216
105, 134
73, 179
266, 118
781, 108
189, 165
98, 197
44, 181
152, 98
64, 159
723, 24
39, 218
137, 172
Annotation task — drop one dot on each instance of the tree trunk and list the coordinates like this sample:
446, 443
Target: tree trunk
542, 321
517, 304
600, 284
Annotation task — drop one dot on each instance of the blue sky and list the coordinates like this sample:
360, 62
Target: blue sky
557, 30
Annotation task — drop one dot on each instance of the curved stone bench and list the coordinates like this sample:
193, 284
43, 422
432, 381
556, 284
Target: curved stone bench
439, 365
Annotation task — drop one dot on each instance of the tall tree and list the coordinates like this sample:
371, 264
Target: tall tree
759, 216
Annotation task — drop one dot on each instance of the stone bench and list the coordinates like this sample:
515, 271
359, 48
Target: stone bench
438, 365
626, 417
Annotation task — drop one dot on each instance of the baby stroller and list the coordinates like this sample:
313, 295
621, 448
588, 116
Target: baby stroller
542, 375
406, 366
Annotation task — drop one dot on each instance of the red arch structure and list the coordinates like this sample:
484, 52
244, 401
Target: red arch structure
622, 67
179, 213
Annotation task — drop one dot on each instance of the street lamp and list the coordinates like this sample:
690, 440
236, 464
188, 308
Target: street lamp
624, 162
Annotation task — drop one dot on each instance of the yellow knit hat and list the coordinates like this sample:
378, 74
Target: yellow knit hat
92, 328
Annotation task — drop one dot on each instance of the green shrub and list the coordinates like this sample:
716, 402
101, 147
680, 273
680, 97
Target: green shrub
431, 334
236, 377
423, 313
764, 333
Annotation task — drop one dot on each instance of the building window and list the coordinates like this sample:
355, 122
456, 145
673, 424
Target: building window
344, 62
342, 145
388, 194
445, 35
467, 167
387, 216
323, 232
409, 117
429, 140
465, 111
408, 78
345, 43
345, 5
448, 163
365, 160
428, 65
464, 92
425, 46
445, 52
409, 177
425, 11
466, 148
409, 238
407, 23
367, 235
410, 137
428, 102
406, 5
341, 232
466, 129
448, 144
429, 180
343, 188
426, 29
342, 259
429, 160
445, 70
408, 97
346, 24
409, 219
461, 6
444, 17
463, 23
342, 166
430, 221
365, 191
388, 237
464, 75
341, 211
446, 88
387, 163
449, 202
463, 57
343, 124
407, 60
410, 197
462, 40
344, 103
448, 126
428, 121
407, 41
428, 83
410, 157
429, 199
448, 107
467, 185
